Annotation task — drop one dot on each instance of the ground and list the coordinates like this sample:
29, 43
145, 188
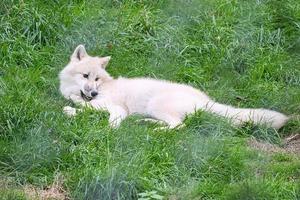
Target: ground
243, 53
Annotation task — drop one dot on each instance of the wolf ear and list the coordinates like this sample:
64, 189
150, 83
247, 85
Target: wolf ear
79, 53
105, 61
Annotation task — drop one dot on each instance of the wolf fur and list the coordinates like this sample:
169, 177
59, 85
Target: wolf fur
85, 81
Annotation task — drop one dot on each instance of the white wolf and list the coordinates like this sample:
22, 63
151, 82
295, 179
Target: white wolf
85, 81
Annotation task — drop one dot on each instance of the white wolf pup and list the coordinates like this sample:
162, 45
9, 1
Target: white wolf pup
85, 81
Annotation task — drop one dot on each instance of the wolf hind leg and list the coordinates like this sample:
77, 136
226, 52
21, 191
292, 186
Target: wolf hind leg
151, 120
172, 121
170, 128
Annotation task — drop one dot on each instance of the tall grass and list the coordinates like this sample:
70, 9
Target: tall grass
242, 53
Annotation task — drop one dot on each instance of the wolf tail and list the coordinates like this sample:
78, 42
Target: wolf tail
240, 115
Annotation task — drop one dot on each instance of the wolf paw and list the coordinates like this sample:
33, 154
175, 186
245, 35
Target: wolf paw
69, 111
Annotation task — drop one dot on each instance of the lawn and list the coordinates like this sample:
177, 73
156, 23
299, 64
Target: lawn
243, 53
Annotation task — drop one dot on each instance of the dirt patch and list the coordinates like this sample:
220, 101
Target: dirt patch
54, 191
291, 145
264, 146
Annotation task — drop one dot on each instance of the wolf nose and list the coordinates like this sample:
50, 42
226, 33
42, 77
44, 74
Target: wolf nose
94, 93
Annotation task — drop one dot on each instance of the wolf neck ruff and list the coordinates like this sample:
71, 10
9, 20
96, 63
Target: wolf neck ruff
85, 98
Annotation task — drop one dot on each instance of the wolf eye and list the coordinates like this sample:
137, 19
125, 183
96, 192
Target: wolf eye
85, 75
96, 79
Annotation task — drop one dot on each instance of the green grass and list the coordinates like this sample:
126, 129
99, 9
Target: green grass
244, 53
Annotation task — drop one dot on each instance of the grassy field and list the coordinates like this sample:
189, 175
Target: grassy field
243, 53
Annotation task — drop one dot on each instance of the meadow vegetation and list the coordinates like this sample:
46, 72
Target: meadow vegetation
243, 53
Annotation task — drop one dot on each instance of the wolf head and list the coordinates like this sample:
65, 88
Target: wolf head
84, 74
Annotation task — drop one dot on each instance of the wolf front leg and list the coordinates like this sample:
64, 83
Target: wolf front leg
98, 104
70, 111
78, 100
116, 115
